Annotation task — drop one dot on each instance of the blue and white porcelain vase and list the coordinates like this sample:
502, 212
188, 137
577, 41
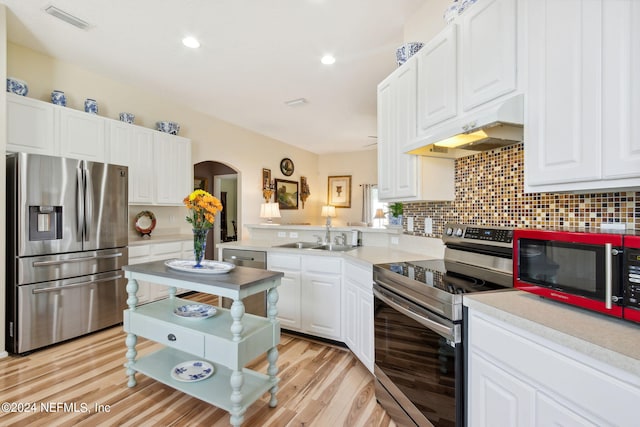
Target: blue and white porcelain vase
395, 221
58, 98
127, 117
19, 87
90, 106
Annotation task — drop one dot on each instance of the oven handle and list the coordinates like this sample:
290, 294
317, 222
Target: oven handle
440, 329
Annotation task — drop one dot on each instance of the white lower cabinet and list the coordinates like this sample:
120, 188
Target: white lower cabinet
357, 311
516, 378
138, 254
309, 293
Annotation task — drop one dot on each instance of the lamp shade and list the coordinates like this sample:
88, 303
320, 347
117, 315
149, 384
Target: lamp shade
329, 211
379, 214
269, 210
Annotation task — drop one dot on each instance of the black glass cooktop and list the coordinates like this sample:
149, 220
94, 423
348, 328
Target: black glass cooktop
434, 273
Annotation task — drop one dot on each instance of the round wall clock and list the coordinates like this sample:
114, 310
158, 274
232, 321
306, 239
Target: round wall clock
286, 166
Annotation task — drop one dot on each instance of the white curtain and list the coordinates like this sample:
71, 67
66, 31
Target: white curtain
367, 213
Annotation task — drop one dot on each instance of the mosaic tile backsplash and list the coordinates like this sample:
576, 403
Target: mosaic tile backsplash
490, 191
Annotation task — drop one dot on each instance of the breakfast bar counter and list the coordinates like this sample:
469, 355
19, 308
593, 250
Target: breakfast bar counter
225, 340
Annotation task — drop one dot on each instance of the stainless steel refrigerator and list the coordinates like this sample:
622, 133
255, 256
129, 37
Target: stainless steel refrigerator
66, 244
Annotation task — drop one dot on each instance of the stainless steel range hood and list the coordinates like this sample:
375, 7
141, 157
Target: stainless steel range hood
497, 126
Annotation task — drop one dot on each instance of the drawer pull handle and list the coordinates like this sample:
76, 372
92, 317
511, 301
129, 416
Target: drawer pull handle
171, 337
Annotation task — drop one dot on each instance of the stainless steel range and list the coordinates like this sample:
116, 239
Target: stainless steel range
418, 317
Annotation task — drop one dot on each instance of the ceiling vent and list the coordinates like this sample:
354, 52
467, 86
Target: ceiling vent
296, 102
67, 17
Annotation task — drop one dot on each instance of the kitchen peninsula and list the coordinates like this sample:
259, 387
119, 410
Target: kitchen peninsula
230, 338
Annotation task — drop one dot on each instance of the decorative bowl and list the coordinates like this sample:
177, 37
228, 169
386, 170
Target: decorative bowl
168, 127
127, 117
19, 87
406, 51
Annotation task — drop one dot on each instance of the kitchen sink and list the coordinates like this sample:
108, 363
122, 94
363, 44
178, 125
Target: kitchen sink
333, 247
313, 245
298, 245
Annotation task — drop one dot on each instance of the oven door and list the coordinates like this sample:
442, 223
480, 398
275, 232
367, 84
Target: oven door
582, 269
418, 363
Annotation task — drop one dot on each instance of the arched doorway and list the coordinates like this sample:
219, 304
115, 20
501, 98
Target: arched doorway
221, 181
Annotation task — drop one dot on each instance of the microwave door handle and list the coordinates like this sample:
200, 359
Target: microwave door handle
79, 201
608, 275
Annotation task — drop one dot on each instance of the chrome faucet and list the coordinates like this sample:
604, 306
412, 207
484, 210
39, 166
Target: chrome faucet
318, 239
341, 239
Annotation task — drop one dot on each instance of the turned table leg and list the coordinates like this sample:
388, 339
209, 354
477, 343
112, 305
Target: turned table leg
132, 339
272, 354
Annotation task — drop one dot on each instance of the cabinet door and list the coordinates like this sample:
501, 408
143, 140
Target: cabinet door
488, 51
120, 136
365, 330
289, 291
397, 120
142, 167
173, 165
437, 79
82, 135
497, 398
30, 127
350, 315
386, 123
563, 133
321, 305
621, 89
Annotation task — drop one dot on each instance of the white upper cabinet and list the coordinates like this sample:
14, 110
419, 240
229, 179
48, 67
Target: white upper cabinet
82, 135
583, 95
437, 82
401, 176
488, 52
160, 168
30, 126
469, 67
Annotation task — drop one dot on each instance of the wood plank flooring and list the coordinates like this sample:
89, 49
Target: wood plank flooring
83, 383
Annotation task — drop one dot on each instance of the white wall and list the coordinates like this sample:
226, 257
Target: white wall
363, 168
427, 21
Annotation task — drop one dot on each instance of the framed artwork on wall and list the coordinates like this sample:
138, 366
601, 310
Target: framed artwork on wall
266, 178
339, 191
200, 184
287, 194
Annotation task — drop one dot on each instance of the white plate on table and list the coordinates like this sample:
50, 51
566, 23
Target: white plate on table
208, 267
195, 311
192, 371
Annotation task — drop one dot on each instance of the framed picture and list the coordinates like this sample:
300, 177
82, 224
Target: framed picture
287, 194
340, 191
200, 184
266, 178
286, 166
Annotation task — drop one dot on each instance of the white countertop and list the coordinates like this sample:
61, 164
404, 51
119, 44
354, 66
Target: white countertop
135, 240
607, 339
364, 254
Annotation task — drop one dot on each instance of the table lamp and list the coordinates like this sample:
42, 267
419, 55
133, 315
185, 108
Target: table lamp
329, 211
379, 215
269, 210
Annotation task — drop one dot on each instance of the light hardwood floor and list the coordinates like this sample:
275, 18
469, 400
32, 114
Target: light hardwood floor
320, 385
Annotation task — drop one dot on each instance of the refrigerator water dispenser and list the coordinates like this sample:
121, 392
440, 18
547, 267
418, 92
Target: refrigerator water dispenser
45, 222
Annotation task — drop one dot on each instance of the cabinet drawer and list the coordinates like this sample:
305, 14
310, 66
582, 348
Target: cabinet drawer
139, 251
322, 264
165, 333
166, 248
281, 261
360, 275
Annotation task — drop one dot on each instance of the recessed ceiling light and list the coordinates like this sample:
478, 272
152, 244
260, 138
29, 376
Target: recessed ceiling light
191, 42
328, 59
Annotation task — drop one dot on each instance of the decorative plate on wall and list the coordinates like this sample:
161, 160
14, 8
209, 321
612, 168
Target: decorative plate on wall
145, 222
286, 166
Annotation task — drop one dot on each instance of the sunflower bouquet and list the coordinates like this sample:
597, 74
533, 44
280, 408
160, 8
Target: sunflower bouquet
203, 208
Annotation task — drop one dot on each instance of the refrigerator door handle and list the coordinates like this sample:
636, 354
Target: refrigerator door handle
70, 260
75, 285
80, 201
88, 202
